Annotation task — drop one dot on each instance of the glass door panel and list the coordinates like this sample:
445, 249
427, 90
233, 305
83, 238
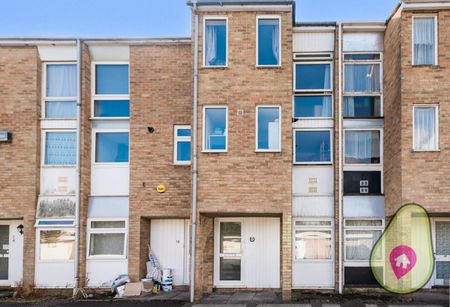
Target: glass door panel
230, 251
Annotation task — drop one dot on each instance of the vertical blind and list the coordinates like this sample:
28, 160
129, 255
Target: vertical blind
425, 137
424, 41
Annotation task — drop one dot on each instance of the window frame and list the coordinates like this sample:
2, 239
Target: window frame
436, 37
329, 227
330, 130
306, 94
91, 231
204, 149
38, 244
95, 96
324, 90
359, 263
273, 17
366, 166
44, 146
94, 147
46, 99
257, 131
177, 139
205, 19
436, 114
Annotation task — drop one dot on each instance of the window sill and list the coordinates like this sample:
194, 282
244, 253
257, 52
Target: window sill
433, 66
363, 117
58, 119
181, 164
214, 151
214, 67
269, 66
109, 118
313, 163
425, 151
267, 151
59, 166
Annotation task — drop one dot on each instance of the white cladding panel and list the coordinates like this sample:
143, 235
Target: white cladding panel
109, 53
58, 181
313, 42
364, 206
49, 53
102, 272
54, 274
110, 180
316, 206
363, 41
108, 207
310, 274
312, 181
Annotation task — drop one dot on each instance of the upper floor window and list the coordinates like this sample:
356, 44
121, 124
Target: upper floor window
215, 126
362, 106
215, 42
60, 91
112, 147
268, 128
313, 106
111, 95
425, 126
362, 147
60, 148
362, 78
424, 40
268, 41
182, 144
312, 147
313, 77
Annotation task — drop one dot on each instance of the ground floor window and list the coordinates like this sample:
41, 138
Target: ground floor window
56, 244
360, 236
107, 238
313, 240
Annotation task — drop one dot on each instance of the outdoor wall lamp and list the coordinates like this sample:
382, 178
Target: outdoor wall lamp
20, 229
151, 129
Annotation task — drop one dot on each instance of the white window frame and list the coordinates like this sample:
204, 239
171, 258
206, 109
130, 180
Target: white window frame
177, 139
94, 147
306, 94
359, 263
436, 37
38, 244
312, 130
204, 149
91, 231
313, 227
436, 114
44, 145
274, 17
53, 99
107, 97
205, 19
257, 131
365, 166
323, 90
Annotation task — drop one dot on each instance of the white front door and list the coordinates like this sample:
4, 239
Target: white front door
169, 240
442, 251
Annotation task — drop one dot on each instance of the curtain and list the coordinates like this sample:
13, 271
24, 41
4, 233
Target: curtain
60, 148
424, 41
276, 42
363, 78
107, 244
361, 146
211, 42
359, 243
60, 109
61, 80
425, 128
349, 106
326, 107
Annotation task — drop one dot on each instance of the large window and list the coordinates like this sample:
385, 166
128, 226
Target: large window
362, 78
182, 144
312, 146
107, 238
215, 128
60, 148
360, 235
425, 128
215, 42
111, 147
313, 240
362, 106
269, 42
424, 40
268, 128
60, 93
111, 95
313, 106
56, 245
313, 77
362, 147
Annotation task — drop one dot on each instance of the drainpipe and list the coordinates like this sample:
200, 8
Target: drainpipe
194, 155
78, 171
340, 156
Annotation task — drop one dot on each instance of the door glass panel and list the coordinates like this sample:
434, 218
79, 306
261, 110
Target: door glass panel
230, 238
230, 268
443, 238
4, 251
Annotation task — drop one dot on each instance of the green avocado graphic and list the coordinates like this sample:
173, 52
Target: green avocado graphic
402, 260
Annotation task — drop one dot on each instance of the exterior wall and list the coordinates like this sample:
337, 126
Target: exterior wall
20, 159
241, 181
161, 79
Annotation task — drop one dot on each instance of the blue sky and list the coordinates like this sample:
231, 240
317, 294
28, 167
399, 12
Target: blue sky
148, 18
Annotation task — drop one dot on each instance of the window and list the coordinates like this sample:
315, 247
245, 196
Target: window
359, 238
215, 42
313, 77
313, 240
111, 95
424, 41
268, 131
182, 145
312, 106
60, 96
362, 183
312, 147
425, 128
107, 238
362, 147
269, 41
56, 245
362, 106
60, 148
215, 128
362, 78
111, 147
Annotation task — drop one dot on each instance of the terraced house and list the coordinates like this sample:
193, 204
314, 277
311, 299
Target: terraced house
259, 153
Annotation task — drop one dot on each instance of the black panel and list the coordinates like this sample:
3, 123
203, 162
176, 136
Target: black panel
360, 276
353, 185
